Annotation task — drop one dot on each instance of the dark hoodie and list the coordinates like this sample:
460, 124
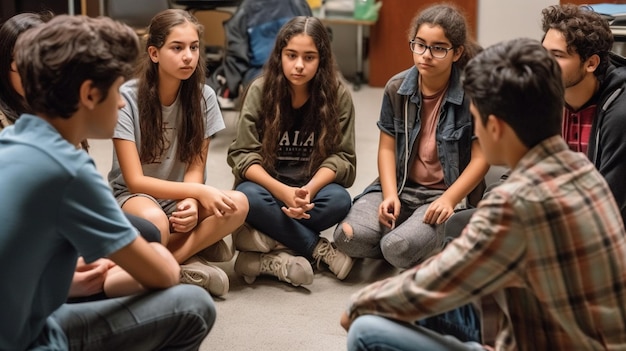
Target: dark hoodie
607, 143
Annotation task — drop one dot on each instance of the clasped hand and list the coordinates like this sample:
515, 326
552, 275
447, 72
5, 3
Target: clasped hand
185, 218
89, 277
297, 203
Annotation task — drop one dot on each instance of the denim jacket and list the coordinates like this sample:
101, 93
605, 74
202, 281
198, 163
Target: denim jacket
400, 118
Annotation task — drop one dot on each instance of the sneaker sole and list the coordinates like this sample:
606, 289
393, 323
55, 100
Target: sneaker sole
345, 270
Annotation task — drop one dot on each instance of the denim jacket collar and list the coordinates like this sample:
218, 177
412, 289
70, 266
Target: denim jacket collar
455, 91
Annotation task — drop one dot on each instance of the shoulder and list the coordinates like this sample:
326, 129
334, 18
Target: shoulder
208, 92
257, 84
343, 94
45, 147
612, 99
130, 85
255, 89
129, 89
393, 84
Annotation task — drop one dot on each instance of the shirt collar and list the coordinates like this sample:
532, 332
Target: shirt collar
455, 90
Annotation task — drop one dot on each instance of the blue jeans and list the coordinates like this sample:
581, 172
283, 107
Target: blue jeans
178, 318
332, 204
375, 333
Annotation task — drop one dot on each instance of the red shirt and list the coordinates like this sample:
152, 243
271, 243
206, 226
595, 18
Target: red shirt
577, 127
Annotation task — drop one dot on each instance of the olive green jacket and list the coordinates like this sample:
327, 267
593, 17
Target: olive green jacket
246, 148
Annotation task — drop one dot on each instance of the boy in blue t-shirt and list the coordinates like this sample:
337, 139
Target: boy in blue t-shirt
55, 205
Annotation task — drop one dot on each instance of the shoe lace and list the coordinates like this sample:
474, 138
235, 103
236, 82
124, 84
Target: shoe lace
326, 252
274, 265
192, 275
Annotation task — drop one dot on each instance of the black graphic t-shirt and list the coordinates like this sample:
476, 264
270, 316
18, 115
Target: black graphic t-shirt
295, 147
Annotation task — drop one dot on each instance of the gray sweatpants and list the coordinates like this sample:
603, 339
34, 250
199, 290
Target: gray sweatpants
410, 242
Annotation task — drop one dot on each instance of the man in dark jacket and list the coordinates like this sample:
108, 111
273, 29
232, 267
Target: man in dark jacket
594, 118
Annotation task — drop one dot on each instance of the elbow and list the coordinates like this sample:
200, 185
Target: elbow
168, 278
133, 186
172, 275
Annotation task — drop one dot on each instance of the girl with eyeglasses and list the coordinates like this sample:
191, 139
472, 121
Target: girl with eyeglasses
428, 161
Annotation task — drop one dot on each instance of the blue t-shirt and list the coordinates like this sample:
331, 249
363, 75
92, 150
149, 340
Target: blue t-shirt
54, 205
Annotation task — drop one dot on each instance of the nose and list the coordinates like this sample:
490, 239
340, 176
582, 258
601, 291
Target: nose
299, 63
428, 52
187, 55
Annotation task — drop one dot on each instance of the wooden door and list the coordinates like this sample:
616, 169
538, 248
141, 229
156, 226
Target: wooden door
389, 49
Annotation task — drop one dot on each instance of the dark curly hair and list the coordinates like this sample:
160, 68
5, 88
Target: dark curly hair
586, 32
519, 82
454, 25
56, 58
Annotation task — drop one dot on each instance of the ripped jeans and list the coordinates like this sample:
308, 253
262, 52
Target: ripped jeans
409, 243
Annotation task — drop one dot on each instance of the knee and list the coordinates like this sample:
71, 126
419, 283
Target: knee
398, 251
248, 188
337, 197
255, 195
162, 222
241, 201
198, 304
342, 236
454, 226
157, 217
343, 232
360, 332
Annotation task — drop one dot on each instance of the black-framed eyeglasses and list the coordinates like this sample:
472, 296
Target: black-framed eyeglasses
436, 51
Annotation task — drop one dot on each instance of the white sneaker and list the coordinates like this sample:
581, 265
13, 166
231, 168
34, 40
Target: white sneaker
246, 238
198, 271
338, 262
218, 252
295, 270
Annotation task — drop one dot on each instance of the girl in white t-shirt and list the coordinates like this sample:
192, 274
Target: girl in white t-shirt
161, 144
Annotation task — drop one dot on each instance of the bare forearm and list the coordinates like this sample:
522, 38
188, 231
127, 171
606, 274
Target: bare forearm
257, 174
322, 177
473, 174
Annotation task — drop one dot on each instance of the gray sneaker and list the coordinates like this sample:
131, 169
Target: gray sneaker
295, 270
246, 238
338, 262
198, 271
218, 252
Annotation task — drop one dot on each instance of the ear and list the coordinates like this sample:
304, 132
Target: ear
89, 95
457, 53
153, 52
494, 127
592, 63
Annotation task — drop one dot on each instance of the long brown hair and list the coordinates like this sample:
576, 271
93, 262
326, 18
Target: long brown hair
191, 128
323, 89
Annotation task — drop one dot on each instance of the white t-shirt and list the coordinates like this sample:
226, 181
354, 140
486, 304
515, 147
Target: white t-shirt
168, 167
